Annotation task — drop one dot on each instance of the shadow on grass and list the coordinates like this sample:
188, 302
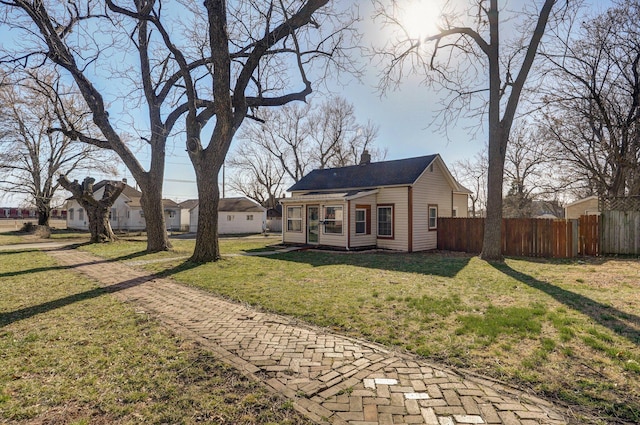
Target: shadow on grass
28, 312
624, 324
426, 263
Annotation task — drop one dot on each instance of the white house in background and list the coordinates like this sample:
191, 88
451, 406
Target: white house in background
235, 216
126, 213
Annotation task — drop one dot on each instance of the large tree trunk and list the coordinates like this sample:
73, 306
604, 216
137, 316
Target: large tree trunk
97, 210
44, 212
492, 242
151, 202
207, 247
99, 226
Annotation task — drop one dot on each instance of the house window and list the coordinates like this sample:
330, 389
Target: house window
294, 219
454, 213
112, 214
433, 217
333, 220
128, 215
385, 221
70, 214
171, 213
80, 214
249, 217
361, 221
141, 214
229, 217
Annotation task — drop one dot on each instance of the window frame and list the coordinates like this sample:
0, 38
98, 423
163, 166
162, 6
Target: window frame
391, 208
432, 207
327, 221
249, 217
291, 219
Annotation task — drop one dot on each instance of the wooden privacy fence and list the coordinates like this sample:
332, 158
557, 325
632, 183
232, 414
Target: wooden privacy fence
620, 232
527, 237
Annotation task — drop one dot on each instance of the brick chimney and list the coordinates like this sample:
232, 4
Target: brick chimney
365, 158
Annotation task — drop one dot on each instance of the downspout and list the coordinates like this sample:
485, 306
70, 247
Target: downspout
410, 214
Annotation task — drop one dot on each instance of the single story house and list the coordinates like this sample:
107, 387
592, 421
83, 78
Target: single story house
586, 206
390, 205
235, 216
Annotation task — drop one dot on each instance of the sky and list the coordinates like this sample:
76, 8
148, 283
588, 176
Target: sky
403, 116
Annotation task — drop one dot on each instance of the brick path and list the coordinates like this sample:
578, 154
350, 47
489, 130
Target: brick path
330, 378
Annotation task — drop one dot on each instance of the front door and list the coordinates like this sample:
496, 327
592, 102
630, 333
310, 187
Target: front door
313, 224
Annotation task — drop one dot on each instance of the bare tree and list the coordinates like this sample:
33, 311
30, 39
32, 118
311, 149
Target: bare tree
288, 143
472, 174
253, 54
31, 155
258, 175
464, 53
97, 209
529, 170
593, 104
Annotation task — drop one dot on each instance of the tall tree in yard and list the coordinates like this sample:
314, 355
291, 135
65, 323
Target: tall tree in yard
462, 54
255, 54
593, 105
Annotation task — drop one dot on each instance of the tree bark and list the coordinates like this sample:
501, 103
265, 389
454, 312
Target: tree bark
207, 247
492, 242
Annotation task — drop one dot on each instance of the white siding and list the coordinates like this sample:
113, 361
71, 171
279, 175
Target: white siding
461, 202
397, 196
294, 237
239, 223
432, 188
363, 240
331, 239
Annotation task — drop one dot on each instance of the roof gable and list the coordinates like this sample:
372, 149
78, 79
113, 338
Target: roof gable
375, 174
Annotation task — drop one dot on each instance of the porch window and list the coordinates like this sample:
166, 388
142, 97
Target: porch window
385, 221
433, 217
333, 220
294, 219
363, 219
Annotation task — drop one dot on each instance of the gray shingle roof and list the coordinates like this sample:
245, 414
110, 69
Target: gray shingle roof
375, 174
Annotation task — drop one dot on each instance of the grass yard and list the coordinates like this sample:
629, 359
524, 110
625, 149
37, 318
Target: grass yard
568, 330
71, 354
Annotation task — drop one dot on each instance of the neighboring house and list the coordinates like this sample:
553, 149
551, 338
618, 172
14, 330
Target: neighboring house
235, 216
174, 218
126, 213
391, 205
274, 219
186, 213
586, 206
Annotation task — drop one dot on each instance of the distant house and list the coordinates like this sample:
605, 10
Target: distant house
235, 216
391, 204
126, 213
586, 206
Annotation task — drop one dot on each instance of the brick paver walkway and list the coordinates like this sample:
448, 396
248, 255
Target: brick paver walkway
330, 378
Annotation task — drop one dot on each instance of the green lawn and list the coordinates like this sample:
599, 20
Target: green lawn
72, 354
568, 330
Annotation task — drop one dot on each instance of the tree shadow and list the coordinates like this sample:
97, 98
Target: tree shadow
624, 324
428, 263
28, 312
